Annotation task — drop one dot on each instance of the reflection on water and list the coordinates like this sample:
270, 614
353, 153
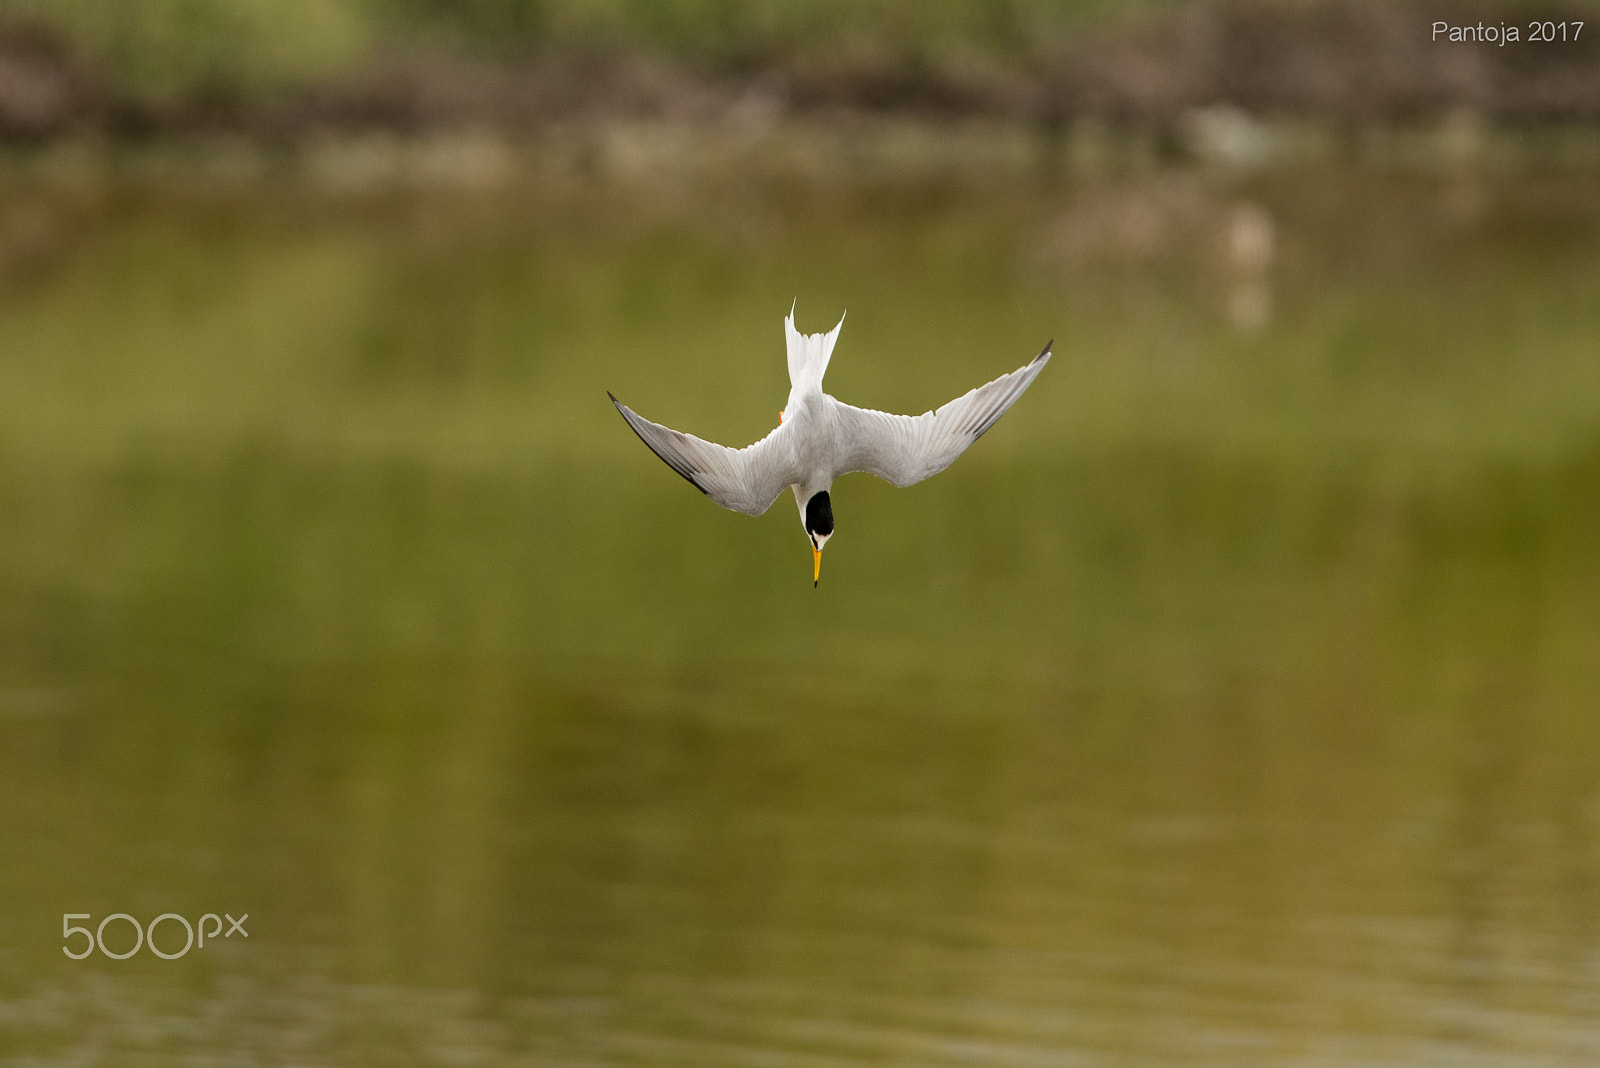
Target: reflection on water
1232, 702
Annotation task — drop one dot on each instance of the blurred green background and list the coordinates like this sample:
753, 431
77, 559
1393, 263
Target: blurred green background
263, 44
1231, 702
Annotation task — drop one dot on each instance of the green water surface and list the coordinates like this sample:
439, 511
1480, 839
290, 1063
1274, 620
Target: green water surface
1233, 701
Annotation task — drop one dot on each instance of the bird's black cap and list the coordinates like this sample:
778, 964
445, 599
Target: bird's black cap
819, 514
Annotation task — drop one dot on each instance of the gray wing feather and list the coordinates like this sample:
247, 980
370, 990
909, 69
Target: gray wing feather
903, 449
744, 480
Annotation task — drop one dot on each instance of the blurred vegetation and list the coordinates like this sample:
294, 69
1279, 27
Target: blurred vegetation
147, 65
254, 45
171, 46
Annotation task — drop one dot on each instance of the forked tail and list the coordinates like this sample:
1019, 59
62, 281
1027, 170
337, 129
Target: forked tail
808, 355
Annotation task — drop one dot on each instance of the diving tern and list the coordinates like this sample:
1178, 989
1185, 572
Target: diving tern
819, 438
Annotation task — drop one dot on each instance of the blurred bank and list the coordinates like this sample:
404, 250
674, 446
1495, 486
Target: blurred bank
283, 69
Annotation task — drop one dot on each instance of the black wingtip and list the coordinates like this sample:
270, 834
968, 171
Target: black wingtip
1048, 345
632, 420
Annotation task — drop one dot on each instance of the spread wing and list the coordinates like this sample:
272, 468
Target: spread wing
744, 480
903, 449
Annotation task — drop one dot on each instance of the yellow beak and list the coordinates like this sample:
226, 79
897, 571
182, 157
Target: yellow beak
816, 566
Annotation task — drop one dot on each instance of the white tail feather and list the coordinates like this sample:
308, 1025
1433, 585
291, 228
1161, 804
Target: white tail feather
808, 354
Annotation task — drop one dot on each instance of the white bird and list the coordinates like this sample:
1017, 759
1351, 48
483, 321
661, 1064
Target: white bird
819, 438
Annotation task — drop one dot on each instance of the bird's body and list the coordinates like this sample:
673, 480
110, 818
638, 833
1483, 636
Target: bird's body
819, 438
